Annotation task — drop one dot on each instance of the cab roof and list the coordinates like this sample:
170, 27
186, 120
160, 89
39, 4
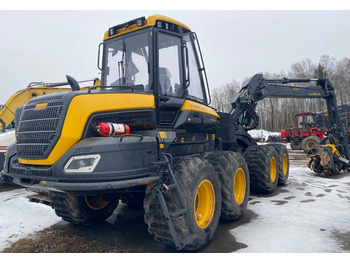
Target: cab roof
159, 21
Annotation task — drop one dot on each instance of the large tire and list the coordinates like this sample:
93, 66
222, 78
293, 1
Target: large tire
83, 210
234, 177
295, 145
309, 142
262, 165
282, 162
197, 179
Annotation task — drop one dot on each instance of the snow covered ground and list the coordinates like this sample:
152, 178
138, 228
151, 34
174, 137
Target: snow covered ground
309, 214
19, 218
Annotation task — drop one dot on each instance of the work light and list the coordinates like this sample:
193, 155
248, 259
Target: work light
82, 164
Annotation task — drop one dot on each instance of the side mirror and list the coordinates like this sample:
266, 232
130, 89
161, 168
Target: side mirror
73, 83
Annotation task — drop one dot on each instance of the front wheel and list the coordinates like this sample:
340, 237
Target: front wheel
201, 190
83, 210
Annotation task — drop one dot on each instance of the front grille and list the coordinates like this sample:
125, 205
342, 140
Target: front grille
41, 173
29, 150
51, 112
31, 172
17, 171
39, 130
37, 137
82, 150
39, 125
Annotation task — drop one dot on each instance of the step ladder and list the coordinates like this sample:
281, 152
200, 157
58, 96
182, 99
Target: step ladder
162, 190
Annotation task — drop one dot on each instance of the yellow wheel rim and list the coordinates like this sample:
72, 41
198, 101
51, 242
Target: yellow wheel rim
310, 144
273, 169
95, 203
285, 164
204, 204
239, 186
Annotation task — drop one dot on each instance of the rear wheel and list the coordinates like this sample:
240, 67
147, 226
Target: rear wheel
234, 177
262, 165
83, 210
200, 187
309, 142
282, 162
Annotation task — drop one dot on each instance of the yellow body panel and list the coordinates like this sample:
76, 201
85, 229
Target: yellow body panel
199, 108
150, 21
80, 109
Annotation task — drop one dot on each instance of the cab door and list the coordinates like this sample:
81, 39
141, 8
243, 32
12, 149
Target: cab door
169, 77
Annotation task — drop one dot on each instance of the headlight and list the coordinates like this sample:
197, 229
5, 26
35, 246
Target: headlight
82, 164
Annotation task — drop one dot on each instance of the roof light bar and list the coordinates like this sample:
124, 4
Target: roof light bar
138, 21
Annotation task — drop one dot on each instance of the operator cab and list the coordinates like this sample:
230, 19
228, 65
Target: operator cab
158, 56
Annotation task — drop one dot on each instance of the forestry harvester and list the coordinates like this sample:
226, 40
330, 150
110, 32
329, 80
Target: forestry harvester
147, 136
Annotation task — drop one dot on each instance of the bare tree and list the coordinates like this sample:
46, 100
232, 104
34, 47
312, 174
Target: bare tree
223, 96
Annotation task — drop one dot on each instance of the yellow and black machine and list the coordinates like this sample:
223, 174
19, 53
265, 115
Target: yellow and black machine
145, 136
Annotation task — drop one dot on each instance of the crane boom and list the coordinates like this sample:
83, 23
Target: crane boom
243, 106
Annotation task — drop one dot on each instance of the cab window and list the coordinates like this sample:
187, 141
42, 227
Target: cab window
195, 89
169, 71
127, 62
300, 121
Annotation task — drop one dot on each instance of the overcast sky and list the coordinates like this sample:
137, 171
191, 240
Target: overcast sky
47, 45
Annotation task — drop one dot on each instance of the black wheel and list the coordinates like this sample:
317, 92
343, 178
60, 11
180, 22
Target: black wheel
309, 142
295, 145
234, 177
83, 210
282, 163
262, 165
200, 187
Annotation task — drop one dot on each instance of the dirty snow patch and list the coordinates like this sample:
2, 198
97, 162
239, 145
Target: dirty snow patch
19, 218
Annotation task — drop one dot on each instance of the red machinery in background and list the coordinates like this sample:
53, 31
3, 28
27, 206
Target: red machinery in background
309, 128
